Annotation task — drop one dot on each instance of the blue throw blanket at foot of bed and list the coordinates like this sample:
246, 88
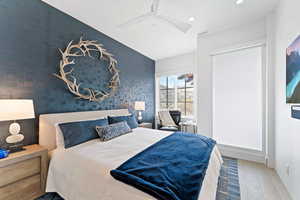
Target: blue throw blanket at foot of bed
171, 169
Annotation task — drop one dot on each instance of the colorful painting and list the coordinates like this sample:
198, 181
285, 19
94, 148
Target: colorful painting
293, 72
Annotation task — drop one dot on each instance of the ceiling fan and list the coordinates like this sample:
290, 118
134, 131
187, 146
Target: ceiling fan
153, 14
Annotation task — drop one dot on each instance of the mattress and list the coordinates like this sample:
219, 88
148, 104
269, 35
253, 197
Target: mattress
83, 171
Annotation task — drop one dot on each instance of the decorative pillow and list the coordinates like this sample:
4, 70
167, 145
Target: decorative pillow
75, 133
130, 119
113, 130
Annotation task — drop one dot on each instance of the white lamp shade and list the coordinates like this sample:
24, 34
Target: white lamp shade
16, 109
139, 105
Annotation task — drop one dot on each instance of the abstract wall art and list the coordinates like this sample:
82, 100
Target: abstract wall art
293, 72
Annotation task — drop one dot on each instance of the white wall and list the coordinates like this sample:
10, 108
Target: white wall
177, 64
206, 46
280, 29
287, 129
270, 81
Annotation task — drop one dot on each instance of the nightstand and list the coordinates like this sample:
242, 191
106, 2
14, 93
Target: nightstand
23, 174
145, 125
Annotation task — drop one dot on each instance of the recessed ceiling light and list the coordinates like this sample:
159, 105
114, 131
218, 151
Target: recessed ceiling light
238, 2
191, 19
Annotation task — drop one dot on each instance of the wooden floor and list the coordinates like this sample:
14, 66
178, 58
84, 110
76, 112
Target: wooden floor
260, 183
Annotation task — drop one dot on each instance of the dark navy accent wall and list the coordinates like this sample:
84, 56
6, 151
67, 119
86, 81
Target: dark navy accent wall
31, 33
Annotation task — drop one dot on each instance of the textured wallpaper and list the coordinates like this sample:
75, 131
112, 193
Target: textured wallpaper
31, 33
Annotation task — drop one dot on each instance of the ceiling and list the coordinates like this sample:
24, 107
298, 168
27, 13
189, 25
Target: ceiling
155, 39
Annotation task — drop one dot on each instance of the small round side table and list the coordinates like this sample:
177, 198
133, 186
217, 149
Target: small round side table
185, 125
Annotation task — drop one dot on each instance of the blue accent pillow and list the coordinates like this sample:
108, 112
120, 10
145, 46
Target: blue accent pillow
75, 133
113, 130
130, 119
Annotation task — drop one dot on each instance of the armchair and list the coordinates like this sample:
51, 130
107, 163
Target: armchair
175, 117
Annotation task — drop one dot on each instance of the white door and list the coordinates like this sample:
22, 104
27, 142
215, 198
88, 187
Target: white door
238, 99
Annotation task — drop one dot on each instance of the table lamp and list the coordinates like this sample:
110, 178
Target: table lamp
139, 106
12, 110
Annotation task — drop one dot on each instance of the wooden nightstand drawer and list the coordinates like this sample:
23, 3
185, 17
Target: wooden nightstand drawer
23, 174
27, 189
19, 170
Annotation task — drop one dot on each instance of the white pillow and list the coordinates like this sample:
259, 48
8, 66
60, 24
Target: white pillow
60, 142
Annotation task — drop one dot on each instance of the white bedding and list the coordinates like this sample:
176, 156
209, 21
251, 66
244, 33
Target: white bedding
83, 172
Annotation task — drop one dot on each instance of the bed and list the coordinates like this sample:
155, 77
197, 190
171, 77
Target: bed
83, 171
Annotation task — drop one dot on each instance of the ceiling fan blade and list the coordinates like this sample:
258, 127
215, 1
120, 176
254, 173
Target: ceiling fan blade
135, 20
155, 5
182, 26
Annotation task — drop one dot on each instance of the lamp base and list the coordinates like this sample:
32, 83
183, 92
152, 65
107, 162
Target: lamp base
140, 117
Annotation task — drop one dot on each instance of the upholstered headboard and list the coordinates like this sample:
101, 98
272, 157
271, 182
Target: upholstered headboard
47, 132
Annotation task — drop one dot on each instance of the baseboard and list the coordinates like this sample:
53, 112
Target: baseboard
243, 154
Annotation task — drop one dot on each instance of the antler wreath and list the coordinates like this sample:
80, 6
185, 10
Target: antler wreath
84, 48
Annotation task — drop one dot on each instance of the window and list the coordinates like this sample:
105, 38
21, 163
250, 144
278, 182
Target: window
238, 98
176, 93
